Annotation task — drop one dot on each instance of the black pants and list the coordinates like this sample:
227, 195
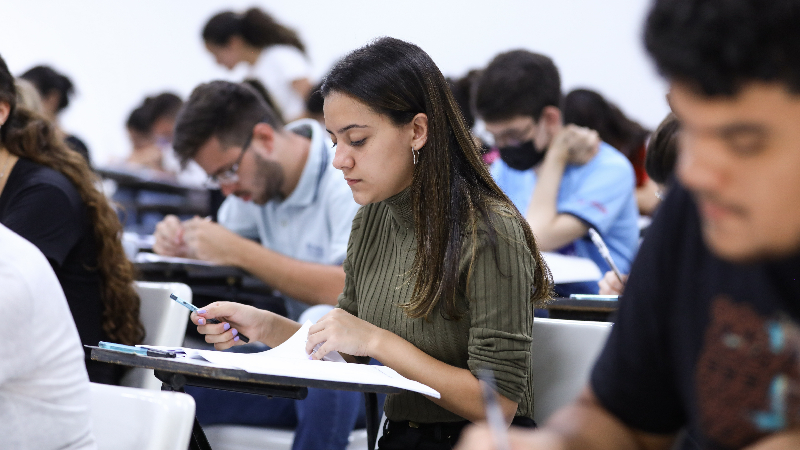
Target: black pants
404, 435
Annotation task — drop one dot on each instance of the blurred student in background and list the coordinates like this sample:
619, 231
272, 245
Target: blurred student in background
273, 52
705, 350
662, 152
151, 129
56, 90
48, 196
589, 109
561, 177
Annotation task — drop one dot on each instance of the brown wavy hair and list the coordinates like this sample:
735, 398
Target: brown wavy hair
29, 135
451, 189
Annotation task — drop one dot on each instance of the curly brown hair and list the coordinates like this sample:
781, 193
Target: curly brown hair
29, 135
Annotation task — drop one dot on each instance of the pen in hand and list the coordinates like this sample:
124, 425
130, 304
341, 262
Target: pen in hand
194, 309
494, 415
604, 252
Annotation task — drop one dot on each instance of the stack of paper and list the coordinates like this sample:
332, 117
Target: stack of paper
291, 360
571, 269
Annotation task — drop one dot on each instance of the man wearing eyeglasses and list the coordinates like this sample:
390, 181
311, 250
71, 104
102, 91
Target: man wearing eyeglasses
287, 194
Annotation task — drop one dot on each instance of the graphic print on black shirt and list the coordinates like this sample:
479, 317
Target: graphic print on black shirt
748, 378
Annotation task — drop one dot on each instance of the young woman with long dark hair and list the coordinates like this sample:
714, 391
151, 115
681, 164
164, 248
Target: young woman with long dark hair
442, 270
48, 196
274, 53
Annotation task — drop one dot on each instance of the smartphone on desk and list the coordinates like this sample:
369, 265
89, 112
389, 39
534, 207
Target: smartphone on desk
194, 309
594, 297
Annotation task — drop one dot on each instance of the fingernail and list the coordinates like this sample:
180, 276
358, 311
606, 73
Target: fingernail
226, 327
201, 321
236, 338
234, 332
201, 311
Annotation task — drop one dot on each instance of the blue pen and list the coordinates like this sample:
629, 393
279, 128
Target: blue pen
194, 309
141, 351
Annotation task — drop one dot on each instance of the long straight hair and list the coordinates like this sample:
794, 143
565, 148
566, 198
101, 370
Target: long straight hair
451, 189
29, 135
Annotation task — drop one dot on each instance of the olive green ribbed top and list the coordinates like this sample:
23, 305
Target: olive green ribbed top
494, 332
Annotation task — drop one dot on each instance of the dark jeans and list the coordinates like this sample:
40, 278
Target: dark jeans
323, 421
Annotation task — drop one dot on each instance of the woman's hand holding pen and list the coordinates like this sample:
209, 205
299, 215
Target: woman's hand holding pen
235, 319
341, 331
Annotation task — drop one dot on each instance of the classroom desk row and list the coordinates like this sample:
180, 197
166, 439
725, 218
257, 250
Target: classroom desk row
211, 283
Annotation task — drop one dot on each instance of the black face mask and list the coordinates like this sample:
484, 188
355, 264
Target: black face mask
522, 156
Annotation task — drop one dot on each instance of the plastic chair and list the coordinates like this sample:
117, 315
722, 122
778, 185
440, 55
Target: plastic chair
126, 418
244, 437
563, 354
164, 322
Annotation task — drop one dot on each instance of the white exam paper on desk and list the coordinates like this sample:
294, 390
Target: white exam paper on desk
291, 360
147, 257
571, 269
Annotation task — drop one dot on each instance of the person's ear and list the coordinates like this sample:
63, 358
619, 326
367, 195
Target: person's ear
419, 128
551, 118
5, 110
263, 139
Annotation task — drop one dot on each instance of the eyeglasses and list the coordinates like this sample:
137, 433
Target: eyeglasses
229, 175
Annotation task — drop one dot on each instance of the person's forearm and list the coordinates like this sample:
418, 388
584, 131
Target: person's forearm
307, 282
277, 329
460, 390
784, 440
542, 212
585, 424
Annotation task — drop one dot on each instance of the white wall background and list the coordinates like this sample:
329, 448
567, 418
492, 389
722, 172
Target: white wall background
116, 52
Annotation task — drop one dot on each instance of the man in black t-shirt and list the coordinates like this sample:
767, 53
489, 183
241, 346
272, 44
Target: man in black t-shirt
705, 351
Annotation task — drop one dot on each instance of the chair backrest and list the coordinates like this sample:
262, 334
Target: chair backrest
126, 418
164, 322
563, 354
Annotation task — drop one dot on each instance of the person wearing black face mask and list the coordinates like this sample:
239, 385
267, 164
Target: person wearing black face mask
561, 177
522, 156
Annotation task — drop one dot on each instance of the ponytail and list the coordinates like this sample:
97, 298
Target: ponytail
255, 26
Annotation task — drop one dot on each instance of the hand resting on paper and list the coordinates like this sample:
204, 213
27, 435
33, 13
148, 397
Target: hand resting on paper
343, 332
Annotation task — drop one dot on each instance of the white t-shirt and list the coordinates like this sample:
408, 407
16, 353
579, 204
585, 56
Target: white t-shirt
44, 389
277, 66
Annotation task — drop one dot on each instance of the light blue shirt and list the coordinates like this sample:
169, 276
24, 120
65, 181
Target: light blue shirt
312, 224
601, 193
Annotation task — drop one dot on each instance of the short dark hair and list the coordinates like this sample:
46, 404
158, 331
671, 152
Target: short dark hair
718, 46
47, 80
221, 109
517, 83
662, 150
153, 108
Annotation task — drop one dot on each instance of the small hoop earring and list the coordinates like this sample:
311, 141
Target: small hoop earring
415, 154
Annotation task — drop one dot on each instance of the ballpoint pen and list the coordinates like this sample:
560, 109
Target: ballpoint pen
601, 247
193, 308
494, 415
141, 351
